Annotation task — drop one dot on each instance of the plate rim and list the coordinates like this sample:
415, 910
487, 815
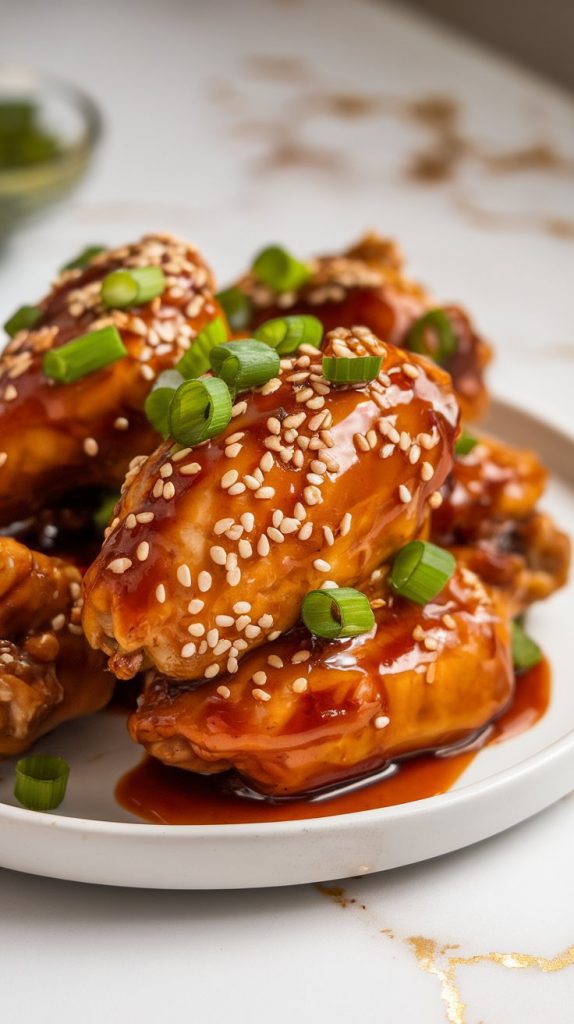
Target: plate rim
560, 748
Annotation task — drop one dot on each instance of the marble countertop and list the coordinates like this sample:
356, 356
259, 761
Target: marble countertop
308, 121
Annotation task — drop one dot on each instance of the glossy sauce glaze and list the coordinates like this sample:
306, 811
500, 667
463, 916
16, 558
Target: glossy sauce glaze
162, 795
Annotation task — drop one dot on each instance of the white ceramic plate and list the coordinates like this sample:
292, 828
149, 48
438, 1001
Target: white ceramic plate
92, 839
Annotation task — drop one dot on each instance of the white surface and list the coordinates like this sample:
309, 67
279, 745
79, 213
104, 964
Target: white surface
176, 158
92, 839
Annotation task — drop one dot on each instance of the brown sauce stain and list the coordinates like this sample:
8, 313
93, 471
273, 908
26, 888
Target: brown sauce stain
163, 795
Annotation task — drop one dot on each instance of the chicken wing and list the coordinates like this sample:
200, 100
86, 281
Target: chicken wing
213, 549
302, 713
48, 674
366, 285
57, 437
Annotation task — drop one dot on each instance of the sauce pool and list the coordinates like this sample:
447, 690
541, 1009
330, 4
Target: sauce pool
162, 795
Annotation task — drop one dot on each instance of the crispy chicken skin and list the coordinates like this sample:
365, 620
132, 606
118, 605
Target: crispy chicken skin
57, 437
213, 549
366, 285
425, 677
48, 674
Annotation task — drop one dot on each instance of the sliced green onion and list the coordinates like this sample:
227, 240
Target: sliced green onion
84, 355
199, 409
525, 652
337, 613
84, 258
104, 512
280, 271
133, 287
465, 443
41, 782
236, 306
421, 570
23, 320
196, 359
432, 335
286, 333
158, 402
244, 364
351, 369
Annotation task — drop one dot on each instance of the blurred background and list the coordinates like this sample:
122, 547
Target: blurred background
446, 125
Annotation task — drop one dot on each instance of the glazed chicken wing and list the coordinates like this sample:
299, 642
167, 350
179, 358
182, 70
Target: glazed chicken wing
57, 437
366, 285
303, 713
213, 549
48, 674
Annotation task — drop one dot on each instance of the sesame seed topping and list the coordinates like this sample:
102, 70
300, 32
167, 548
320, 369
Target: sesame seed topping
142, 551
119, 565
229, 478
427, 471
184, 575
131, 521
58, 622
236, 489
238, 409
233, 577
222, 647
252, 632
232, 450
260, 678
224, 692
314, 478
195, 606
431, 672
275, 661
235, 437
147, 372
145, 517
160, 593
435, 500
212, 637
381, 721
218, 554
248, 521
181, 454
241, 607
328, 534
300, 656
211, 671
300, 685
321, 566
223, 621
345, 524
263, 547
10, 393
260, 694
242, 621
288, 525
188, 650
361, 442
265, 493
305, 531
404, 494
312, 495
190, 469
430, 643
204, 581
449, 622
410, 371
274, 634
196, 629
272, 385
232, 665
91, 446
245, 549
168, 490
166, 470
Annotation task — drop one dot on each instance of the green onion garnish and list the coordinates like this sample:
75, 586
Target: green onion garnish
280, 271
525, 652
420, 571
158, 402
465, 443
199, 409
236, 306
196, 359
84, 258
41, 782
23, 320
351, 369
124, 288
286, 333
337, 613
244, 364
84, 355
104, 512
432, 335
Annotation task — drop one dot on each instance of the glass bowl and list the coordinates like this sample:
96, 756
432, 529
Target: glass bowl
48, 131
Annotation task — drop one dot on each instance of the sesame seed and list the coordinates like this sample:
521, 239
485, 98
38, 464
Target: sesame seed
91, 446
435, 500
345, 524
166, 470
204, 581
195, 606
298, 459
266, 462
431, 672
142, 551
58, 622
121, 423
275, 661
300, 512
418, 633
321, 565
233, 577
238, 409
224, 692
260, 678
274, 634
232, 665
387, 450
265, 493
236, 489
274, 425
265, 621
260, 694
181, 454
275, 534
328, 534
252, 482
10, 393
312, 496
251, 632
158, 488
222, 525
315, 403
404, 494
168, 491
202, 649
119, 565
212, 637
188, 650
318, 467
229, 478
241, 607
147, 372
414, 454
410, 371
263, 548
381, 721
211, 671
305, 531
303, 442
449, 622
271, 386
218, 554
430, 643
372, 438
427, 471
184, 575
248, 521
235, 437
241, 622
131, 522
190, 469
245, 549
299, 685
300, 656
3, 458
222, 647
314, 478
232, 450
160, 593
361, 442
288, 525
404, 441
196, 629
